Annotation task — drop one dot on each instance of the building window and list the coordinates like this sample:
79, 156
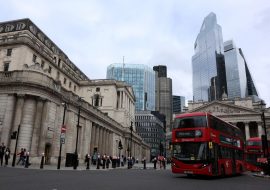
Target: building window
96, 100
9, 51
69, 85
97, 89
65, 80
6, 66
74, 88
42, 64
34, 58
58, 75
49, 69
59, 62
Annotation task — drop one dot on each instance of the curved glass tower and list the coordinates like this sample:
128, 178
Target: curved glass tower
208, 65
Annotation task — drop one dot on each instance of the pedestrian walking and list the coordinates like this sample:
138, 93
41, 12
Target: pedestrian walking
27, 162
21, 158
155, 162
104, 161
7, 156
108, 162
2, 152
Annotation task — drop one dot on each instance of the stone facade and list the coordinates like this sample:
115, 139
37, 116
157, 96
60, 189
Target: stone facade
244, 113
36, 77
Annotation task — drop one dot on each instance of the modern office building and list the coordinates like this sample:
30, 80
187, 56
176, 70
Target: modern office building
178, 104
219, 69
36, 79
235, 71
163, 94
150, 128
208, 65
142, 80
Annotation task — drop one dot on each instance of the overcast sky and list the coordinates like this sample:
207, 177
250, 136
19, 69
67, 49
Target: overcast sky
96, 33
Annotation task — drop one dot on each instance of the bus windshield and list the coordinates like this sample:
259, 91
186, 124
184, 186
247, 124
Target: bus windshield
190, 151
190, 122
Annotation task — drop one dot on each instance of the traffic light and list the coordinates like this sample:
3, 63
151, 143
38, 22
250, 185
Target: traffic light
120, 146
13, 135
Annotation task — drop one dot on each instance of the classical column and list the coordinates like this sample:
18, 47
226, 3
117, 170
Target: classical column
111, 143
260, 130
247, 131
100, 140
106, 142
86, 138
8, 119
93, 134
17, 118
97, 138
27, 124
69, 145
43, 129
36, 129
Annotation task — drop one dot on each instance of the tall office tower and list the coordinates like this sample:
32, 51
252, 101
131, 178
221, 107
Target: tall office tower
142, 80
163, 93
208, 65
235, 71
239, 80
178, 104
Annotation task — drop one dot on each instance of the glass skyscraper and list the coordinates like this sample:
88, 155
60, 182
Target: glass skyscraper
208, 65
235, 71
239, 81
141, 78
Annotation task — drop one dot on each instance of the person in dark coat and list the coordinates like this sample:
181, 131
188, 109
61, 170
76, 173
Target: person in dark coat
155, 162
7, 156
104, 161
108, 162
27, 162
2, 152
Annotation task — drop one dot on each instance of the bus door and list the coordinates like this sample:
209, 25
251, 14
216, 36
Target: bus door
213, 155
233, 162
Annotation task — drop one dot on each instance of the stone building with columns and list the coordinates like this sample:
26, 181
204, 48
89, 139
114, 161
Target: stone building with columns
36, 77
243, 113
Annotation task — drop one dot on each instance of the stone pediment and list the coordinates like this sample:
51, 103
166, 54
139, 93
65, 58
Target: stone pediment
220, 108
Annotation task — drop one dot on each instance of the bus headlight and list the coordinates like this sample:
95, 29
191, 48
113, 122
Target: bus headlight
198, 133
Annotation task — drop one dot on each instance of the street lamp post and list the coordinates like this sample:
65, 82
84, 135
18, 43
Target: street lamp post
130, 156
75, 164
62, 132
16, 143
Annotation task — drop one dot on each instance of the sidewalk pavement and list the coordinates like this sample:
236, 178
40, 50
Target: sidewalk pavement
82, 167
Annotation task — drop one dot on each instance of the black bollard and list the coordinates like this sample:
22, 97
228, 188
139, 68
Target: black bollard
42, 161
98, 163
144, 164
87, 161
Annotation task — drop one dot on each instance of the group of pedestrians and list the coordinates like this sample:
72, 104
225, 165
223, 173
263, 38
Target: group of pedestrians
161, 160
4, 154
23, 158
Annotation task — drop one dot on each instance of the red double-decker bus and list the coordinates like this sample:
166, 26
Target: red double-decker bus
255, 154
206, 145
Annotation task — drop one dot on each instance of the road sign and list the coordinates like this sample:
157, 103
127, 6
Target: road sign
63, 129
62, 141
